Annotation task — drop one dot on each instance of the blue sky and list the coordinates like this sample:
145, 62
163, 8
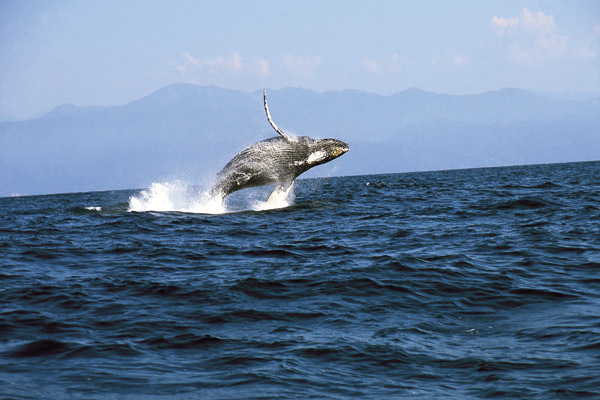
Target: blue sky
112, 52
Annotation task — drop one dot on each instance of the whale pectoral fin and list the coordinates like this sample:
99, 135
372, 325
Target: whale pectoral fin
282, 133
281, 192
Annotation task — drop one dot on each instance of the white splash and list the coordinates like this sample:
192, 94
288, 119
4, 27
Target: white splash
175, 196
94, 208
179, 197
280, 198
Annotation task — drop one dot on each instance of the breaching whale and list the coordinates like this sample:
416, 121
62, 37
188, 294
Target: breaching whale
278, 160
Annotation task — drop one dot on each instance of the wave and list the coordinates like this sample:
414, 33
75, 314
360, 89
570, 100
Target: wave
39, 348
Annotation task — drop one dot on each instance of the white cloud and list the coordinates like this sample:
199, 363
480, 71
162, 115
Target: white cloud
460, 61
393, 63
450, 59
538, 22
263, 67
371, 65
216, 65
519, 53
553, 44
589, 48
530, 36
301, 67
396, 62
543, 27
502, 24
191, 59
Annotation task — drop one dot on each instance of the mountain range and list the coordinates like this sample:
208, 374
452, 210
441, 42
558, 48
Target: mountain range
189, 132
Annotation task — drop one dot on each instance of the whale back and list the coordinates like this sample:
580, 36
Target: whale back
266, 162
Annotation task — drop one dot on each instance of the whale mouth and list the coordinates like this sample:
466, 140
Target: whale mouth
338, 151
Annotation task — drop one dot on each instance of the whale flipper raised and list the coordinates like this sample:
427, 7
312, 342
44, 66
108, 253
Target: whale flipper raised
282, 133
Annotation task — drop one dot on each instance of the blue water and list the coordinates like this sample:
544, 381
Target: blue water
458, 284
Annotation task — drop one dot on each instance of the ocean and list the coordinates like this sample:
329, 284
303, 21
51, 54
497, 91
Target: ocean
481, 283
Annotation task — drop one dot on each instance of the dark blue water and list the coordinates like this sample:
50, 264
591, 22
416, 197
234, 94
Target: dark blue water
459, 284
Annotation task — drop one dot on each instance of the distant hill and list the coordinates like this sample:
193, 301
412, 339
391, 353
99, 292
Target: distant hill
189, 132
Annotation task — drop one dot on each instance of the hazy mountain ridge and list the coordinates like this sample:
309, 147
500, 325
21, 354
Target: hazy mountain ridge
189, 132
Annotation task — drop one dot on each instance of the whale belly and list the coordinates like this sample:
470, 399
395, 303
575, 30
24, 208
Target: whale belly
267, 162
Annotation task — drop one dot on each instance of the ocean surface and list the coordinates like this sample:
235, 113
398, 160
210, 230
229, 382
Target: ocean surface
480, 283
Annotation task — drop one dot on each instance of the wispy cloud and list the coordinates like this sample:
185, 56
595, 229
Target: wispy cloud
393, 63
450, 58
301, 67
397, 62
501, 24
538, 22
460, 60
372, 65
216, 65
589, 48
264, 69
530, 36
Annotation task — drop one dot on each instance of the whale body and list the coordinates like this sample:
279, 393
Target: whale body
278, 160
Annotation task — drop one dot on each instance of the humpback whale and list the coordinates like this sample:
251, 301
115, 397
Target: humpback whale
278, 160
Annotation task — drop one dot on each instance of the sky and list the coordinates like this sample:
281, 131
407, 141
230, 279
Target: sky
112, 52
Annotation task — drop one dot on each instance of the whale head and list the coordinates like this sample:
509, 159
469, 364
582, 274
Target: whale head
325, 150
